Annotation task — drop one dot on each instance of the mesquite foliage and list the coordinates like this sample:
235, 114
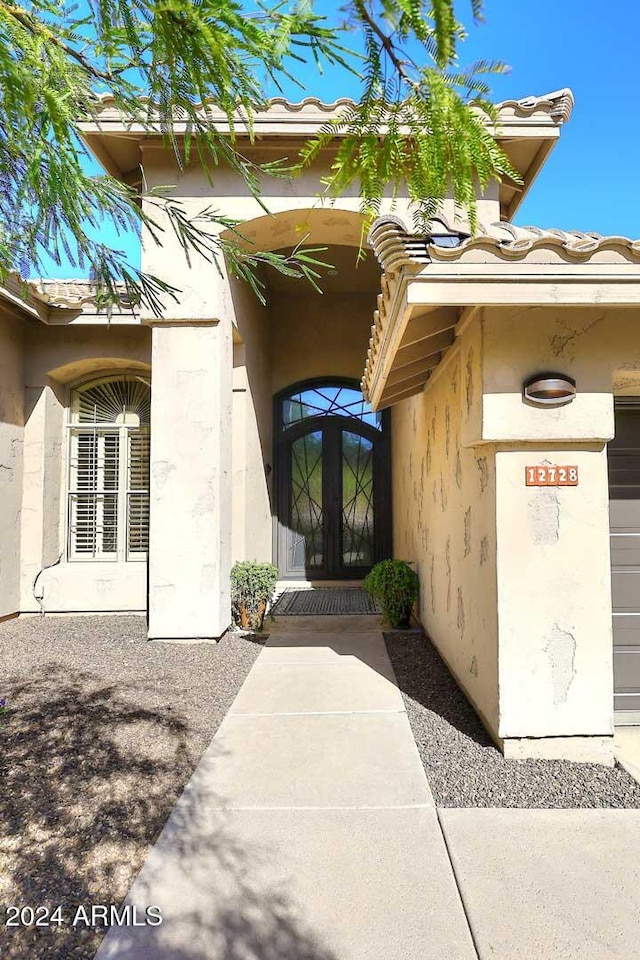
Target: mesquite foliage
420, 121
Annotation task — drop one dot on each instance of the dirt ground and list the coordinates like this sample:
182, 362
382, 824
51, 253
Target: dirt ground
103, 732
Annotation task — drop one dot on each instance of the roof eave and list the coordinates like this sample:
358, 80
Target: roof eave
529, 118
428, 290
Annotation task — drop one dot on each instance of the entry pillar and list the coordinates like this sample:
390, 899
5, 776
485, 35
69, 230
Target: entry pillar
190, 483
553, 577
554, 606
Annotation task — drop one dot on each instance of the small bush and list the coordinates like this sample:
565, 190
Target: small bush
395, 586
252, 586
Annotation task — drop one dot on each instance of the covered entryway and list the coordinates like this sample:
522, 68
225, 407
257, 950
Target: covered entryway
624, 508
332, 482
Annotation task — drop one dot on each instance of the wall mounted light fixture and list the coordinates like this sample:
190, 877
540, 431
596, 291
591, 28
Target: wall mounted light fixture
549, 389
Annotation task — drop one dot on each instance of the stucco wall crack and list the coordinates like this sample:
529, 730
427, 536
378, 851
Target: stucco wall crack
461, 619
469, 380
458, 470
443, 494
447, 430
467, 532
484, 550
483, 471
562, 343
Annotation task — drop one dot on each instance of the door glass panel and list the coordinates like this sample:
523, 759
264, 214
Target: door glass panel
329, 401
306, 541
357, 500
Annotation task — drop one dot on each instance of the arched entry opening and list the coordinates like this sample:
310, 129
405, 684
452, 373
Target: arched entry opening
333, 504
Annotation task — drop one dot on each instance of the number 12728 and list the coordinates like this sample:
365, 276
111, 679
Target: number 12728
549, 475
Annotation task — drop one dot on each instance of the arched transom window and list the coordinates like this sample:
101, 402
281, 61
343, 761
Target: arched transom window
328, 400
109, 434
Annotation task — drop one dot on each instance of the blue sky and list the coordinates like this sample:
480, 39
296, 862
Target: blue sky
591, 180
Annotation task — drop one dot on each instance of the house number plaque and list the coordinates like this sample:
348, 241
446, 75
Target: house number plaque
549, 475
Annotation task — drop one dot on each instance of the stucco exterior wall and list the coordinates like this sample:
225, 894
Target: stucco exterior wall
317, 335
598, 346
43, 499
303, 198
190, 483
515, 580
252, 428
554, 576
68, 354
11, 458
444, 521
554, 598
58, 357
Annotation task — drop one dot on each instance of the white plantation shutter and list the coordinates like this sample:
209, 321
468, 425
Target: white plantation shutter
107, 401
94, 494
138, 494
109, 471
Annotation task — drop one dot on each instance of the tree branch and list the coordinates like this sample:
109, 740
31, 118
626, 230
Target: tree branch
387, 43
37, 28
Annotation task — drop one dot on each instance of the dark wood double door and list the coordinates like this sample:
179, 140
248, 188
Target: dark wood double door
333, 498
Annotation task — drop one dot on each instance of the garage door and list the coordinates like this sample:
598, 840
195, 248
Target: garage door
624, 513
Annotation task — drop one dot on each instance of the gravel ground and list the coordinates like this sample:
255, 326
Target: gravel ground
104, 731
463, 766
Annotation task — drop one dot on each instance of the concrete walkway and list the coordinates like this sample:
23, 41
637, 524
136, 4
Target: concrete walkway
308, 832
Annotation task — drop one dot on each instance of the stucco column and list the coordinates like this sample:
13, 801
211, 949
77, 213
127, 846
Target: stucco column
553, 578
190, 485
554, 607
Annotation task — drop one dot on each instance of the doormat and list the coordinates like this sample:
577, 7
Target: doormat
336, 601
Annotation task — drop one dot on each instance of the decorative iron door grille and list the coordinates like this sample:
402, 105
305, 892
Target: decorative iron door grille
332, 482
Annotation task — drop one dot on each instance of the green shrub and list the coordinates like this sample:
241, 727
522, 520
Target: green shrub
252, 586
395, 586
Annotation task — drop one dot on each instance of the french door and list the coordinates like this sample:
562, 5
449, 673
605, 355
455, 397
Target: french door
332, 493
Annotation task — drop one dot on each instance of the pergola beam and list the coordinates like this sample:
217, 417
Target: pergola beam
389, 399
423, 348
429, 324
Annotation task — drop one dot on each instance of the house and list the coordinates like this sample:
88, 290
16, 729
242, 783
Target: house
486, 428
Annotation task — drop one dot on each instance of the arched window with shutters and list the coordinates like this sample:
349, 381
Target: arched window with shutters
108, 498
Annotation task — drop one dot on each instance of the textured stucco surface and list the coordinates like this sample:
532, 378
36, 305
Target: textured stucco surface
554, 598
547, 549
252, 427
57, 358
317, 335
598, 346
43, 526
444, 521
300, 215
553, 544
67, 354
11, 458
190, 501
